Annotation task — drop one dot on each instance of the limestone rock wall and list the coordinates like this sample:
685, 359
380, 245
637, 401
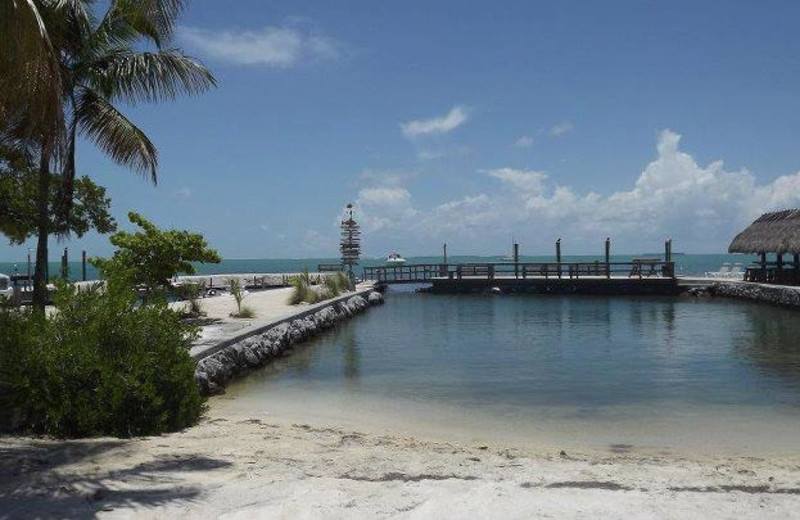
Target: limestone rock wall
783, 296
214, 372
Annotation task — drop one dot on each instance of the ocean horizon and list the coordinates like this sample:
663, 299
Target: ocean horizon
685, 264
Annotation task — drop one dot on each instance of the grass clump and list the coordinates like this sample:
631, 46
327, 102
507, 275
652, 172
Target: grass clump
246, 312
103, 364
306, 292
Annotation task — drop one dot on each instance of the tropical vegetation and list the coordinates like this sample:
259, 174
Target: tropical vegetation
237, 291
66, 66
305, 291
151, 257
102, 364
19, 205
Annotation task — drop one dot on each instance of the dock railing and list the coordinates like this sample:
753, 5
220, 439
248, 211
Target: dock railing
420, 273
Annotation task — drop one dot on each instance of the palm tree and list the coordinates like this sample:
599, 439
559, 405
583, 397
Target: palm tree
64, 69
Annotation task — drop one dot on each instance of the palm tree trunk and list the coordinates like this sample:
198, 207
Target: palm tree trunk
42, 229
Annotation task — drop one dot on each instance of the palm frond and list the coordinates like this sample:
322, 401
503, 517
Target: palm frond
119, 138
127, 20
30, 74
149, 76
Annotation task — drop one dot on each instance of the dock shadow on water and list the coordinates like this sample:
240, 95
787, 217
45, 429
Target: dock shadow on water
654, 371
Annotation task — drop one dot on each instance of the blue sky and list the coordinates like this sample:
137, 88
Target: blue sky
470, 123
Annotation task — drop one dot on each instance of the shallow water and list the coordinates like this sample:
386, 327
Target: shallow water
659, 372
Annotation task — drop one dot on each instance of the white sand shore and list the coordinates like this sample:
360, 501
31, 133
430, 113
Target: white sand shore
244, 466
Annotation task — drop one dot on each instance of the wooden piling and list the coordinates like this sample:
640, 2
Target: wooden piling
558, 257
65, 264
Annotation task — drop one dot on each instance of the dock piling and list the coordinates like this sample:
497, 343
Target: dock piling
558, 256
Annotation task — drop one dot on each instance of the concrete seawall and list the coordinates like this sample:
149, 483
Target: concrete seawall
257, 345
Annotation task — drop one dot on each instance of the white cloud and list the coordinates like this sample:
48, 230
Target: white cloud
428, 154
561, 128
270, 46
386, 177
457, 116
701, 207
527, 181
316, 242
184, 192
382, 205
525, 141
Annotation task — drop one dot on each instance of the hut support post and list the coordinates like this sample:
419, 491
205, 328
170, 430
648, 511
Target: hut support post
83, 265
558, 256
779, 268
796, 261
668, 258
516, 259
763, 267
608, 257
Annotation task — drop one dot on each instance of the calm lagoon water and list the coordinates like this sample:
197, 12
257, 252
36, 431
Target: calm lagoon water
662, 373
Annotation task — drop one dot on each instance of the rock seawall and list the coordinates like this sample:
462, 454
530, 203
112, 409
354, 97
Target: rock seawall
783, 296
214, 372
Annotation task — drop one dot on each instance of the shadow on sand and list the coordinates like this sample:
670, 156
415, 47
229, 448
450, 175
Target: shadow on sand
37, 482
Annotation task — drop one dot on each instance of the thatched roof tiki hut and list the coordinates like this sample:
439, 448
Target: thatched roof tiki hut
776, 233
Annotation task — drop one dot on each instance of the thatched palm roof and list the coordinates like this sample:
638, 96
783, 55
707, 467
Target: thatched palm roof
777, 232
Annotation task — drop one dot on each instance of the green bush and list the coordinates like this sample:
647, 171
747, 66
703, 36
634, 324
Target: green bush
305, 291
246, 312
151, 257
103, 364
191, 292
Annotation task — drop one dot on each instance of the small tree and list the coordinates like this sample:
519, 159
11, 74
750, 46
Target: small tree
151, 257
18, 205
238, 293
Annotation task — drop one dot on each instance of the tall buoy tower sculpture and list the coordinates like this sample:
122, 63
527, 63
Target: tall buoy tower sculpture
350, 245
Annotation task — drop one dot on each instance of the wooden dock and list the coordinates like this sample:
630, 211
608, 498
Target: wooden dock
642, 276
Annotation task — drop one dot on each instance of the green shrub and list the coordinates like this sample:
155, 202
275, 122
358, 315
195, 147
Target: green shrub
338, 283
151, 257
246, 312
305, 291
191, 292
103, 364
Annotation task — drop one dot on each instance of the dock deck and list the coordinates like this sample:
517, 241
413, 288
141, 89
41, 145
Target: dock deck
642, 276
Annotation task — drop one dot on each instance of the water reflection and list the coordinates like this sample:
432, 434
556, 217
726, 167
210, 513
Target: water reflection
587, 353
771, 343
351, 356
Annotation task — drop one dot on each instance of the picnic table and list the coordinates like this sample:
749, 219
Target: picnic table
644, 267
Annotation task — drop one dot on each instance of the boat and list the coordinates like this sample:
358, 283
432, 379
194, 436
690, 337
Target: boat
395, 259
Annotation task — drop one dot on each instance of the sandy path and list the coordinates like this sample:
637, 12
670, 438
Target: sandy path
238, 466
267, 305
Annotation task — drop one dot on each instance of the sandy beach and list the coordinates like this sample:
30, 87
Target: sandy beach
235, 465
